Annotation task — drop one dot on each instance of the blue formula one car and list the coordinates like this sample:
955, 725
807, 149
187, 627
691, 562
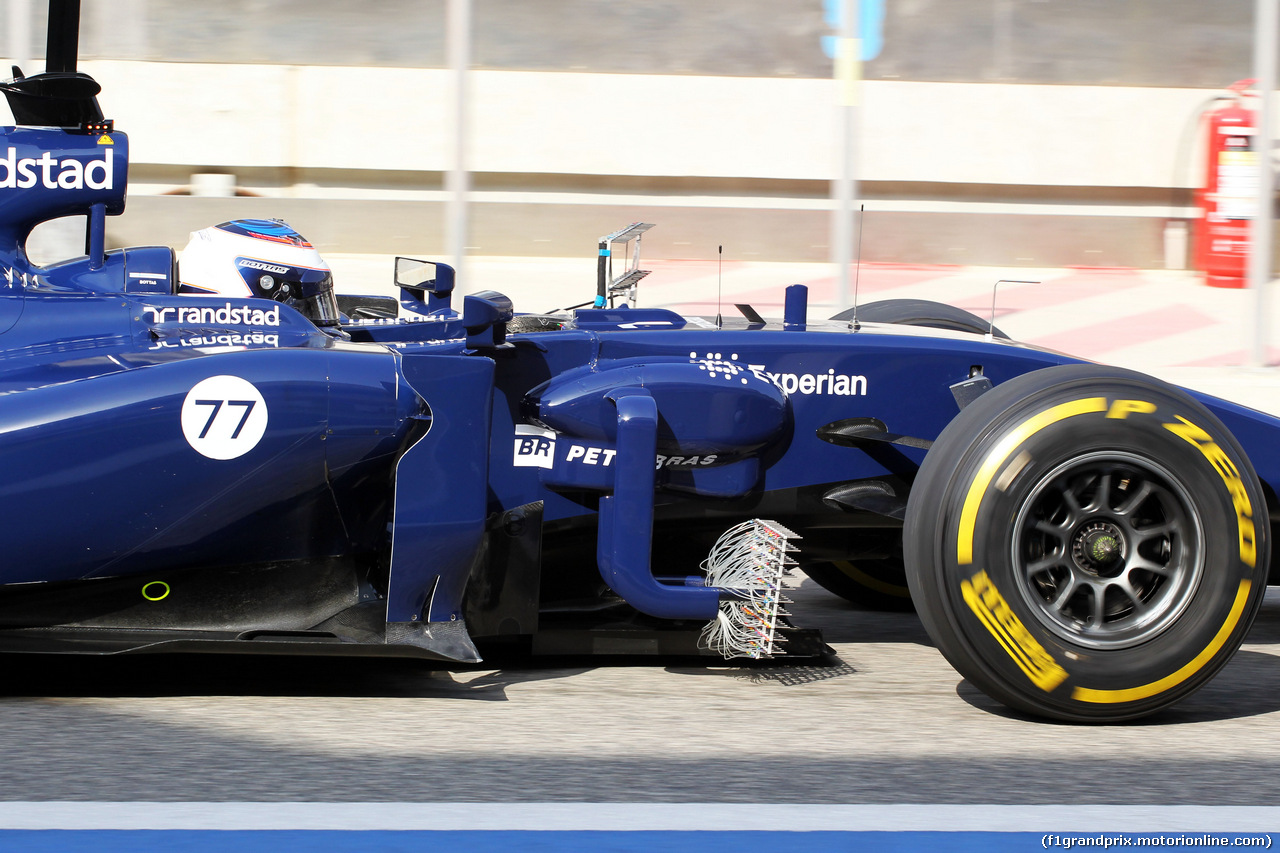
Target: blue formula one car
279, 470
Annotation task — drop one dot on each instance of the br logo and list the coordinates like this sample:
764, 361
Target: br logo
534, 448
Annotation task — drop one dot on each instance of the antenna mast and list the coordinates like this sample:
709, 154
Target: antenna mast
719, 279
857, 268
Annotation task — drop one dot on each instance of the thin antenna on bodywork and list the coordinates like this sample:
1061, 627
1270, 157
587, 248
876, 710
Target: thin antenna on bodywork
719, 280
991, 329
857, 268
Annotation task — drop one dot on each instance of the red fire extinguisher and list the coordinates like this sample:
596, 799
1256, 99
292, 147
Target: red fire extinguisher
1228, 199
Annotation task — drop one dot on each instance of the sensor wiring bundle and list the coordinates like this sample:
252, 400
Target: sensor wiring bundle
748, 563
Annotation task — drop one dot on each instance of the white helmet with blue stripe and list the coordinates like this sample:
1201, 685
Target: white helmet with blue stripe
262, 258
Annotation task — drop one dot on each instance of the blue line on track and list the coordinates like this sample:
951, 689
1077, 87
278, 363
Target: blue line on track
505, 841
630, 817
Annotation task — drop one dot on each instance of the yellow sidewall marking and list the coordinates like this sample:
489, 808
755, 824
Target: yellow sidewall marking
1230, 474
1122, 408
162, 594
1085, 694
1002, 451
871, 583
1003, 624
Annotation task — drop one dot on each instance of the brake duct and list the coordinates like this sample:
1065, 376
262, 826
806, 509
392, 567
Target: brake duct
741, 596
625, 538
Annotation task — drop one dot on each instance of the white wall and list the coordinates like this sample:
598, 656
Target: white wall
228, 116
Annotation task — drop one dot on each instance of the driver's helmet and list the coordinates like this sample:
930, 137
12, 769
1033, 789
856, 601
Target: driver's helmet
259, 257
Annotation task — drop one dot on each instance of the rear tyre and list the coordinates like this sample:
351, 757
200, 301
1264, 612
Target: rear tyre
1087, 544
870, 584
921, 312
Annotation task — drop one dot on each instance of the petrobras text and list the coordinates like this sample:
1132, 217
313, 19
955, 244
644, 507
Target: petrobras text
25, 172
227, 315
604, 456
536, 448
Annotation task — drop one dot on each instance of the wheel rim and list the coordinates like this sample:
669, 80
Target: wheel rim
1109, 549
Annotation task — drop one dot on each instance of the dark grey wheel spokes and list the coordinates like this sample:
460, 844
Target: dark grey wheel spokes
1110, 549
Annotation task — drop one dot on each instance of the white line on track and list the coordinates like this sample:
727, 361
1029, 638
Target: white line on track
633, 816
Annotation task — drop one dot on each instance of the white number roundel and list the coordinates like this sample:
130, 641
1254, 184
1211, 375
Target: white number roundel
224, 417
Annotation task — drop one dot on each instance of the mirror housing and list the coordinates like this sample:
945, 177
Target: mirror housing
485, 316
426, 287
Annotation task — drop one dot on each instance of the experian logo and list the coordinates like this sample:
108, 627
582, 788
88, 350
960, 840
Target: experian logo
74, 175
838, 384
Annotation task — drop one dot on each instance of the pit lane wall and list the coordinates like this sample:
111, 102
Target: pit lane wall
952, 172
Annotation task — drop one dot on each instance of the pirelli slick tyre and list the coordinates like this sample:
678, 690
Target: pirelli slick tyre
921, 312
870, 584
1087, 544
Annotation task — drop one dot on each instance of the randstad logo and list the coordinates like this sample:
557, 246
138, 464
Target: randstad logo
73, 175
227, 315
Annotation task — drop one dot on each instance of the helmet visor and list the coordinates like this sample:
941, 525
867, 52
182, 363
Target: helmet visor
320, 308
307, 289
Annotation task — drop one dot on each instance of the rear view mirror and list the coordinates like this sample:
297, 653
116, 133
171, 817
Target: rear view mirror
417, 279
411, 272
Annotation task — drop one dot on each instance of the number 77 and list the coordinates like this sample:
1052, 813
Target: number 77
217, 407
